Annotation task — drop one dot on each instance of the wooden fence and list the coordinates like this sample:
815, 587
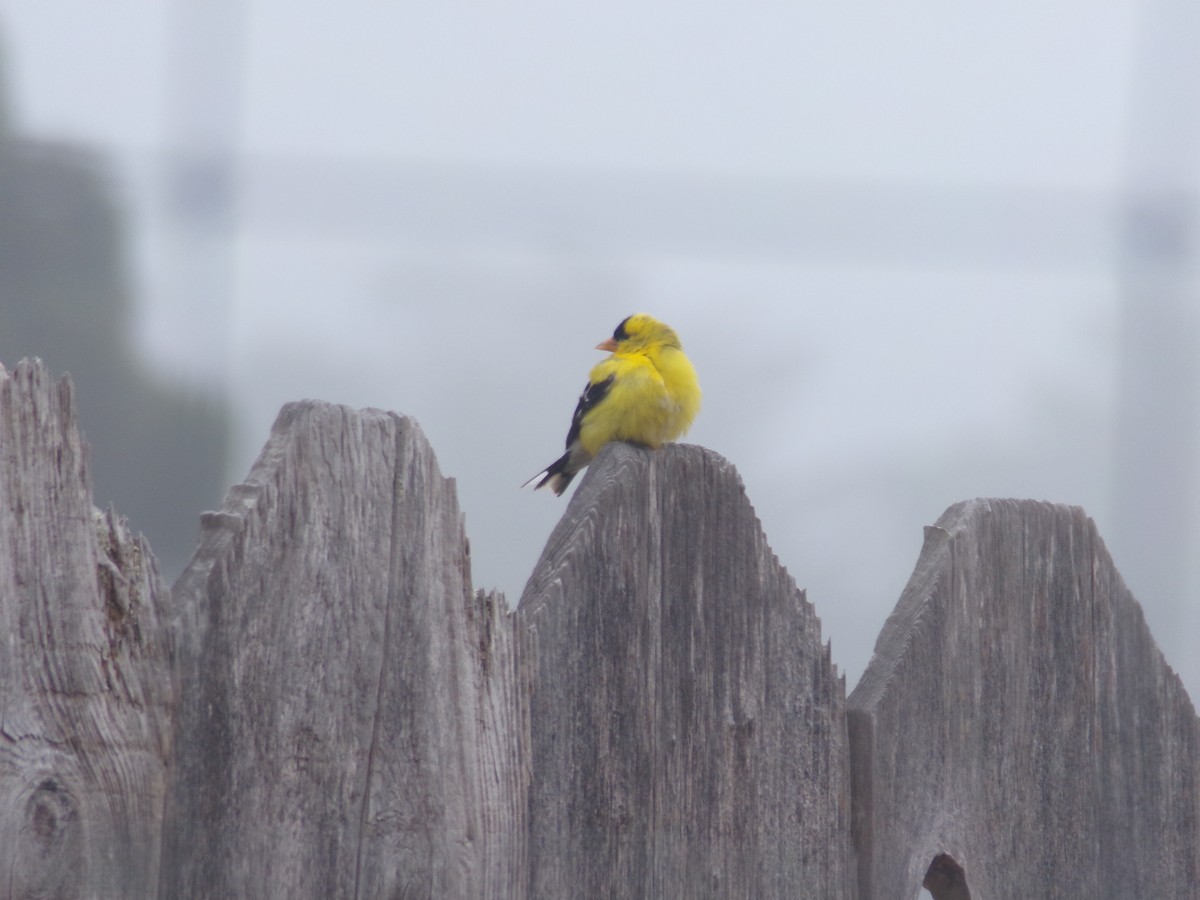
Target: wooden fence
323, 707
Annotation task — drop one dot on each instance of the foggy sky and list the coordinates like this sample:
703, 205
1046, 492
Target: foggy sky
888, 237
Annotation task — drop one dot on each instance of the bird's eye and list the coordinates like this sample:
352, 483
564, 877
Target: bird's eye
621, 334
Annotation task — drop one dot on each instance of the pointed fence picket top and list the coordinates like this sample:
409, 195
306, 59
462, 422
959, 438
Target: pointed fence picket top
322, 707
1017, 733
687, 729
345, 727
85, 678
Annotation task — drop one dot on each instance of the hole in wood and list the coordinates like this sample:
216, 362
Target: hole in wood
945, 879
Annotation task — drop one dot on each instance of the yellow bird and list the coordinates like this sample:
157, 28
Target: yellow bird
645, 393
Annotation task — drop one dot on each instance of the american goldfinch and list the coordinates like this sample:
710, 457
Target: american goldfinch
646, 392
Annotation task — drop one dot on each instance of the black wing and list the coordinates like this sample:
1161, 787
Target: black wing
592, 394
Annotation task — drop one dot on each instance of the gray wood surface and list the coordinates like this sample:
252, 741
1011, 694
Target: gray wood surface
322, 706
346, 725
687, 727
1018, 718
85, 679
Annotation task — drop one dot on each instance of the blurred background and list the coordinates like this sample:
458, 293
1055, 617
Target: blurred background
918, 253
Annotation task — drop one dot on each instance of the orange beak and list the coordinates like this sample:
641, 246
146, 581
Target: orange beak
610, 345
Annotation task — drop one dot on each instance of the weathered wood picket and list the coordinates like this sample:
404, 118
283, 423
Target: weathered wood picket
323, 707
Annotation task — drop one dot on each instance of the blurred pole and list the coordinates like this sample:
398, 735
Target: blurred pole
204, 90
1158, 415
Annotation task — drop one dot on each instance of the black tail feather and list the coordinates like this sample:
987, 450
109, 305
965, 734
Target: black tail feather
555, 475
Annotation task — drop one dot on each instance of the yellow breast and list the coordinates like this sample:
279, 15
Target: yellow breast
653, 399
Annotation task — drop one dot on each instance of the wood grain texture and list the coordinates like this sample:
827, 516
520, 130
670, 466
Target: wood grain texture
1018, 718
324, 708
686, 727
346, 724
85, 679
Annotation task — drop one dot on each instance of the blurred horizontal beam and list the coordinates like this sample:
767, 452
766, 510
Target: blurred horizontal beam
646, 214
620, 213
